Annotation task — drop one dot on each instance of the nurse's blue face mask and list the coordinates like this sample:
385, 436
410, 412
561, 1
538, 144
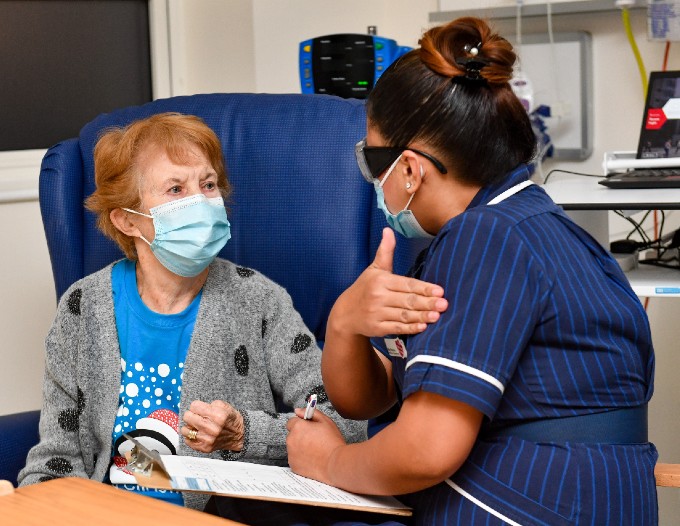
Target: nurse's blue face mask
189, 233
373, 161
403, 222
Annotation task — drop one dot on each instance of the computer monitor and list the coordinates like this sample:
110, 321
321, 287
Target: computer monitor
63, 62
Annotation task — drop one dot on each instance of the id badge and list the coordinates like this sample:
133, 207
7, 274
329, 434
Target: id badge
396, 347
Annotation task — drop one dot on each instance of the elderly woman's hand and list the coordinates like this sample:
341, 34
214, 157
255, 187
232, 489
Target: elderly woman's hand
212, 427
380, 302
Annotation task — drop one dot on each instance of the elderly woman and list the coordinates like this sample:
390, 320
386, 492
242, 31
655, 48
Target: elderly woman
171, 340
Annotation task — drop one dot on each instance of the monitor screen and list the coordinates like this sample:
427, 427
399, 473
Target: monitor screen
660, 132
344, 65
63, 62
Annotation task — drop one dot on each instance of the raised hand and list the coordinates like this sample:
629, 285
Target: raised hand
380, 302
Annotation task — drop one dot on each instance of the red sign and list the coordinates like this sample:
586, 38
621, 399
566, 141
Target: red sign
655, 119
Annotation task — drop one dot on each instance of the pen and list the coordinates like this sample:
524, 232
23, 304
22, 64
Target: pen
311, 404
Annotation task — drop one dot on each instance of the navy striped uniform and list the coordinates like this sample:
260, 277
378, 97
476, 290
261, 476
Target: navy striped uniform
541, 323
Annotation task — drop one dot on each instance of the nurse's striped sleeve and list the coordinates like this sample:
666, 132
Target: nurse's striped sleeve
495, 290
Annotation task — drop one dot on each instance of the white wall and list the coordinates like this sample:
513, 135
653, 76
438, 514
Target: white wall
27, 307
212, 46
252, 45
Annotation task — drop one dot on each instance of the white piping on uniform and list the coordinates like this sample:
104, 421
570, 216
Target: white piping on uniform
479, 503
438, 360
510, 191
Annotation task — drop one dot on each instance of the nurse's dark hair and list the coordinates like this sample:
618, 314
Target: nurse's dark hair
477, 126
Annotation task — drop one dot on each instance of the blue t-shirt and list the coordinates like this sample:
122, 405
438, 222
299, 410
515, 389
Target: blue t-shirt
153, 348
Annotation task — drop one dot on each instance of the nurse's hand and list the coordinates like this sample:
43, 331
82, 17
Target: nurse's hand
212, 427
380, 302
310, 444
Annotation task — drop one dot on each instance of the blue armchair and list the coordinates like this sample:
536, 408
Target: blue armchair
300, 211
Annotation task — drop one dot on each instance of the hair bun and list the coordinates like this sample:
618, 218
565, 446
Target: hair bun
467, 47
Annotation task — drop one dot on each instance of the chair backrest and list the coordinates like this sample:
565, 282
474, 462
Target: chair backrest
300, 212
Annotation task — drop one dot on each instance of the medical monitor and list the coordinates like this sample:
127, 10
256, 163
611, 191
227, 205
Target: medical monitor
346, 65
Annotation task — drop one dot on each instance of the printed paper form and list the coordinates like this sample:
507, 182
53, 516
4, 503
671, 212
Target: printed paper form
268, 482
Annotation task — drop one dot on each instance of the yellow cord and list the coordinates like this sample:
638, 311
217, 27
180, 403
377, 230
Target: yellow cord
625, 15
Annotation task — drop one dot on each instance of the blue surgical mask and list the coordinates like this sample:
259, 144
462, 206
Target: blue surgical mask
403, 222
190, 232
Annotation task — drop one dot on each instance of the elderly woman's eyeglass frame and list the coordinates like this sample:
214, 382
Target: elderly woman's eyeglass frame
374, 160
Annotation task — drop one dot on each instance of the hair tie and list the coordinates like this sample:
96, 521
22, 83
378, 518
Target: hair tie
472, 66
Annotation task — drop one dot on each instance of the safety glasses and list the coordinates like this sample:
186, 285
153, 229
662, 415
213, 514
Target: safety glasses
374, 160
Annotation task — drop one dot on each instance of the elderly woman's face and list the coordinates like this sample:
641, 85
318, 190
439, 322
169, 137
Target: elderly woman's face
162, 180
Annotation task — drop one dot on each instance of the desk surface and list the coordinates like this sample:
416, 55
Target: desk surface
584, 193
82, 502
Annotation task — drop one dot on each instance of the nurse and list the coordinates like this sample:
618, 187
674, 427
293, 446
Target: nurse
522, 391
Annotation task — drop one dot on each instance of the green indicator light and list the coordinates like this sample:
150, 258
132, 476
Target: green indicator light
362, 83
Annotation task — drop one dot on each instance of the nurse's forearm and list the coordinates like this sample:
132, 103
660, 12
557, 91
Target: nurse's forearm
385, 465
354, 377
428, 442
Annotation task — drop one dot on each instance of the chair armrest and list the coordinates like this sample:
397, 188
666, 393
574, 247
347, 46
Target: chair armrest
18, 434
667, 475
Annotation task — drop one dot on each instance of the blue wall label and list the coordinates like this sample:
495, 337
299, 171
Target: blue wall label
667, 290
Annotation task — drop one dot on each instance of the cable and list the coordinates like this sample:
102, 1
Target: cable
662, 248
625, 15
637, 227
665, 56
657, 263
558, 170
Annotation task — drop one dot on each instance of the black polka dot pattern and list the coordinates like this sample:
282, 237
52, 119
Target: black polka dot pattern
301, 343
275, 416
320, 393
59, 465
264, 327
244, 272
68, 420
45, 478
73, 302
241, 360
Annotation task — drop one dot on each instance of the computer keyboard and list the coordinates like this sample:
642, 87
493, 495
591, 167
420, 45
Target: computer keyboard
644, 178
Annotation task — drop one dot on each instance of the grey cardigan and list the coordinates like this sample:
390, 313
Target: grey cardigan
249, 347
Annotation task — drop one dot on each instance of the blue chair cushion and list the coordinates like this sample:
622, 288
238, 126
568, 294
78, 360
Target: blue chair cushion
18, 433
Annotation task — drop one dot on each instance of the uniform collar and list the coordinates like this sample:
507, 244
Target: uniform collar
487, 193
